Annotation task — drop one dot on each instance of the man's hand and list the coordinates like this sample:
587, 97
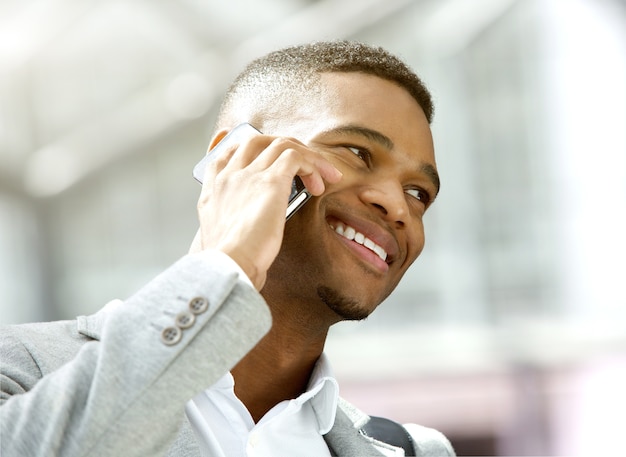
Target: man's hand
244, 199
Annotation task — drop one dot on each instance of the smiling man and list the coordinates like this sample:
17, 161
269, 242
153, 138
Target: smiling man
222, 354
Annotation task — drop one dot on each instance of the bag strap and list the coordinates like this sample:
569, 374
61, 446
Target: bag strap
390, 432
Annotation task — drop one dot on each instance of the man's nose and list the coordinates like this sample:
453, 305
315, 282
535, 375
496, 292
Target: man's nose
388, 198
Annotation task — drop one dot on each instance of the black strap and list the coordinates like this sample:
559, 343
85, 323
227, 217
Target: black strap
389, 432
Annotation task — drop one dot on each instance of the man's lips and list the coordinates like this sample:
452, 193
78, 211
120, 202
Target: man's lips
351, 234
369, 235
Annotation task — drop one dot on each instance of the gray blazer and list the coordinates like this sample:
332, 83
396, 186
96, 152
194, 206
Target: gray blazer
115, 383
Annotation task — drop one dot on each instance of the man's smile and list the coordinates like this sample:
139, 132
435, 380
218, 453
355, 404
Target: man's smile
367, 240
351, 234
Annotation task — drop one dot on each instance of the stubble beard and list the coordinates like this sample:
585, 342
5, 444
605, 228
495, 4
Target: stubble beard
346, 308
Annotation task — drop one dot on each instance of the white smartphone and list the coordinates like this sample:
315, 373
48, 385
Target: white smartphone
299, 195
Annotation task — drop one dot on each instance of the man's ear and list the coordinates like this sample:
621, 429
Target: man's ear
217, 138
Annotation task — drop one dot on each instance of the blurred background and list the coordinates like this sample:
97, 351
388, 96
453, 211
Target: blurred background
508, 334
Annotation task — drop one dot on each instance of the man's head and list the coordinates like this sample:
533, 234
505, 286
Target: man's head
267, 87
369, 115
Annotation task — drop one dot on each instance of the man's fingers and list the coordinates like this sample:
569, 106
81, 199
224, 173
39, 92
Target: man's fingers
288, 156
316, 182
288, 159
328, 171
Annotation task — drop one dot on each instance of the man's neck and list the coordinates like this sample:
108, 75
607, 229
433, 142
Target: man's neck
278, 368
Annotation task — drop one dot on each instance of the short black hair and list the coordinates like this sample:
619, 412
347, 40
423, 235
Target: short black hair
282, 74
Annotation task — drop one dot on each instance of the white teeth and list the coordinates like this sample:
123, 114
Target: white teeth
348, 232
381, 252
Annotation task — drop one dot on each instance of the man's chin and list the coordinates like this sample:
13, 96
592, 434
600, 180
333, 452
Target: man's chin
346, 308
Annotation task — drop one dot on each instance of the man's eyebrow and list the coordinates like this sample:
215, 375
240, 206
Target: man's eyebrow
365, 132
433, 176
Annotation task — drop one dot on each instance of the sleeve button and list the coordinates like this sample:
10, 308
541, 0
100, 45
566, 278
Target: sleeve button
185, 319
171, 335
198, 305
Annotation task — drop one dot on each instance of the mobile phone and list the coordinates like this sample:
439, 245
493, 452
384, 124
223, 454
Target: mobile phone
299, 195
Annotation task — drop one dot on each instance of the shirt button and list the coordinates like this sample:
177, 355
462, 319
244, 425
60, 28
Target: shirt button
171, 335
254, 439
198, 305
185, 320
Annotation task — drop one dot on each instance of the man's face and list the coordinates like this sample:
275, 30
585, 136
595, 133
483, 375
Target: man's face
349, 247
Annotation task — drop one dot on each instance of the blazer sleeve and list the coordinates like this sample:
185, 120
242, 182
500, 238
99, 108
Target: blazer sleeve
124, 394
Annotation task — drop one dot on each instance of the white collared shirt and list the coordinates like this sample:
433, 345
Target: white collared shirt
225, 428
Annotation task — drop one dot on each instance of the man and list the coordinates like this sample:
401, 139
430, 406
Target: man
222, 354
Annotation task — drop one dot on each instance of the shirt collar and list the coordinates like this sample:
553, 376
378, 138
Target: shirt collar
323, 392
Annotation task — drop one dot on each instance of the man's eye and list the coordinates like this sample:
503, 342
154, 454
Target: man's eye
419, 194
361, 153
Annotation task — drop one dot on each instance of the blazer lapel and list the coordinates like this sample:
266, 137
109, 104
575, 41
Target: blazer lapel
345, 440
